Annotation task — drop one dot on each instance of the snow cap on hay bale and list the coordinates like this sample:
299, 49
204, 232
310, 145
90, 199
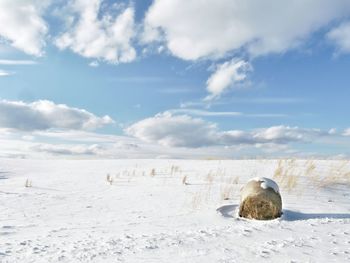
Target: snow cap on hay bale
260, 199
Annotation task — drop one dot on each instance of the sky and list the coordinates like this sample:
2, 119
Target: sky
174, 79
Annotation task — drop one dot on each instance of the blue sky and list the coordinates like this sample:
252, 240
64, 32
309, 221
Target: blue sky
176, 79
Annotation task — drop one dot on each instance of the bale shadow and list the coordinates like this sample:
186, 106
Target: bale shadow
289, 215
227, 210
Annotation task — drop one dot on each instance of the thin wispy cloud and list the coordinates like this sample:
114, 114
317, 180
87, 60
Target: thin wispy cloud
5, 73
206, 113
197, 112
247, 100
176, 90
8, 62
137, 79
269, 100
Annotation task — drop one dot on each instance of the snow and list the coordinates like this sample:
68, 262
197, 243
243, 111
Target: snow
71, 213
267, 183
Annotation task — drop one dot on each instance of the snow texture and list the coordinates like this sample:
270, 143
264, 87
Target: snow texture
70, 212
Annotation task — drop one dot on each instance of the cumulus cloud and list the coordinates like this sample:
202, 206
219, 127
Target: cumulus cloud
43, 115
22, 25
340, 36
197, 29
209, 141
191, 29
226, 76
185, 131
169, 130
96, 33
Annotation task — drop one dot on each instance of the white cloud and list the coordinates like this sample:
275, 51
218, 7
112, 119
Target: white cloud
272, 135
4, 73
341, 37
332, 131
206, 113
67, 149
346, 132
185, 131
94, 64
179, 131
273, 148
271, 142
43, 115
193, 29
8, 62
198, 112
17, 145
244, 100
22, 25
226, 76
284, 134
82, 144
95, 33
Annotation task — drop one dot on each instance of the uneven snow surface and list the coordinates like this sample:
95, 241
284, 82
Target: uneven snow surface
170, 211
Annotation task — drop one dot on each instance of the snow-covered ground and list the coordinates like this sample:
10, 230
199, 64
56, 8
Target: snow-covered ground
170, 211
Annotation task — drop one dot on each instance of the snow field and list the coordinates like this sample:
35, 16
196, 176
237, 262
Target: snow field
170, 211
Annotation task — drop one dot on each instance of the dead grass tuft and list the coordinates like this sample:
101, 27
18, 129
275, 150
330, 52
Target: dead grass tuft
184, 180
196, 201
28, 183
227, 192
109, 179
286, 174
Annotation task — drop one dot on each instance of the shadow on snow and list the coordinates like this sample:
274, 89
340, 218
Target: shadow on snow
290, 215
228, 211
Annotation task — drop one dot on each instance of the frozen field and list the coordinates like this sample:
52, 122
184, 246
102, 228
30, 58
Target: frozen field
170, 211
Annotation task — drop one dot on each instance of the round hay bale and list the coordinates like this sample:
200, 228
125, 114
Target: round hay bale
260, 199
